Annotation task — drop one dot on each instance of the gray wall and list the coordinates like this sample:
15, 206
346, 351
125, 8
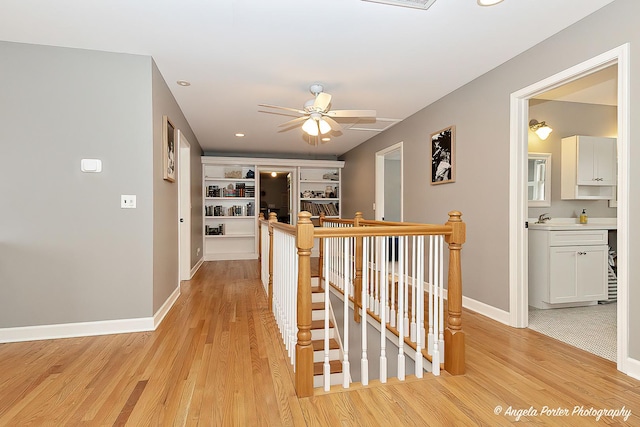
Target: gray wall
568, 119
480, 112
68, 252
165, 196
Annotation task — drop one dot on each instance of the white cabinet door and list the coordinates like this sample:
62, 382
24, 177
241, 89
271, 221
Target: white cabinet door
563, 274
596, 161
592, 272
577, 273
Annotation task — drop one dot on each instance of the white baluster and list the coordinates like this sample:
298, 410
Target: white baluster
392, 311
406, 287
414, 290
435, 357
326, 366
441, 304
383, 314
420, 307
401, 301
346, 368
364, 362
431, 296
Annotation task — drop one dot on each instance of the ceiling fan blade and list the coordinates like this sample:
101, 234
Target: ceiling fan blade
322, 102
295, 121
335, 126
351, 113
282, 108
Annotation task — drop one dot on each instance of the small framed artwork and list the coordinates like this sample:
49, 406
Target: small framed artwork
443, 164
168, 149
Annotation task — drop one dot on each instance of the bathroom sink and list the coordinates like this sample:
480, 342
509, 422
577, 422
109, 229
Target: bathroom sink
573, 224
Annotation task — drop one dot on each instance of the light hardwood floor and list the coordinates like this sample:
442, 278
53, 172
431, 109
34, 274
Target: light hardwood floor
216, 360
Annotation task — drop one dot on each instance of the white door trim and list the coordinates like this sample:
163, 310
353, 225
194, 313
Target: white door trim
518, 297
379, 180
184, 207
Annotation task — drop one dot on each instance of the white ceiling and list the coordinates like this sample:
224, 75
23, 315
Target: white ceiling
600, 87
241, 53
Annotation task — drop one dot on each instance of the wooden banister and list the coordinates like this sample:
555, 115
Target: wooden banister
304, 348
454, 340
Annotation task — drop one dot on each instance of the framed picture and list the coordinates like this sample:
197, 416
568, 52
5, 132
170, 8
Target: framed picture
168, 149
443, 163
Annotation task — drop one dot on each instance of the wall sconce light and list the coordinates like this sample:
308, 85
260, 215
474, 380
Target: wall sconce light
540, 128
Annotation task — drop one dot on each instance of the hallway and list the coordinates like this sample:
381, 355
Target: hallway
216, 360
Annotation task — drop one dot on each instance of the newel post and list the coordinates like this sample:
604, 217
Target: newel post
453, 334
304, 349
272, 218
357, 281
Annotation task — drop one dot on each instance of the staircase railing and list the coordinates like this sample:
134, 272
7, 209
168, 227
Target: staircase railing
358, 257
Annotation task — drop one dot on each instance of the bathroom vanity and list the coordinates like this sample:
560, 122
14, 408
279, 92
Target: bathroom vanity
568, 262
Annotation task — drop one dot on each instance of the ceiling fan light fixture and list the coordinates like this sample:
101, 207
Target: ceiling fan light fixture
488, 2
310, 127
324, 126
414, 4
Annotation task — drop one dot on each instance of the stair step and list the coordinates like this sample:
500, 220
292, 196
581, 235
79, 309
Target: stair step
317, 305
318, 345
319, 324
335, 367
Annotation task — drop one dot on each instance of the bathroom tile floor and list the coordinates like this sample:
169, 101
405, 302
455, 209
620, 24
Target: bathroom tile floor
590, 328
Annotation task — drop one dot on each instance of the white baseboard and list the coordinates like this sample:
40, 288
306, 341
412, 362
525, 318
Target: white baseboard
481, 308
633, 368
73, 330
162, 311
196, 267
85, 329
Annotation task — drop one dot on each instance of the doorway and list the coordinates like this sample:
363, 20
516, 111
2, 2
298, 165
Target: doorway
276, 193
389, 184
518, 276
184, 207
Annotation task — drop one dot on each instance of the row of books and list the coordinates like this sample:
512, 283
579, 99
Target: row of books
329, 209
240, 190
235, 210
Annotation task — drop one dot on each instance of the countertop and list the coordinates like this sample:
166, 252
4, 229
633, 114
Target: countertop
574, 224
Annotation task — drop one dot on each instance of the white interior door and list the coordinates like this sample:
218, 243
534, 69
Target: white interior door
184, 207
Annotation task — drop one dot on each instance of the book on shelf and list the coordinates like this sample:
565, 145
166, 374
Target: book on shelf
315, 209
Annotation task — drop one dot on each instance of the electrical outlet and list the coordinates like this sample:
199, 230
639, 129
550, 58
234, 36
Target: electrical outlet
198, 251
128, 201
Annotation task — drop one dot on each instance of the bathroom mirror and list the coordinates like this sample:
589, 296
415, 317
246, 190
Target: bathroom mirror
539, 179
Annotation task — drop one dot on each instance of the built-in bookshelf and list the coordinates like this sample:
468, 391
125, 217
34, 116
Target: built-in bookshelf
229, 217
319, 189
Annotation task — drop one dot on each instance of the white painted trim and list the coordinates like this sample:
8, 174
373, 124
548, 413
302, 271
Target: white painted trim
633, 368
518, 304
162, 311
481, 308
196, 267
259, 161
73, 330
86, 329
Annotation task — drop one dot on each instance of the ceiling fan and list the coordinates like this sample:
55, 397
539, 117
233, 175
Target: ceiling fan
317, 118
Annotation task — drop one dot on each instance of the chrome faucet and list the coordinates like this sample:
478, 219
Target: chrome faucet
543, 218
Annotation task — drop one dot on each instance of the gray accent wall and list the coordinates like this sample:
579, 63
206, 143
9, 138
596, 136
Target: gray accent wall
480, 112
68, 252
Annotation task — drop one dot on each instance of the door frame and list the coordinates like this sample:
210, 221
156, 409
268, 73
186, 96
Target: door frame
380, 180
518, 258
184, 207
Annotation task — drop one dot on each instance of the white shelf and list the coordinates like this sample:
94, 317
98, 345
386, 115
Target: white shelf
320, 199
230, 216
210, 178
319, 181
246, 199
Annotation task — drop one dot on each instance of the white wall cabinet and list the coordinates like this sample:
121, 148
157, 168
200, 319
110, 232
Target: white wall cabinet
588, 168
567, 268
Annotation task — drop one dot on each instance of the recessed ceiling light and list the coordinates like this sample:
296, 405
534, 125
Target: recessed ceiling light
326, 139
239, 135
274, 174
488, 2
183, 83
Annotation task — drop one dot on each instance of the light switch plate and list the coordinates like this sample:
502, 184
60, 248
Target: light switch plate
128, 201
91, 165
